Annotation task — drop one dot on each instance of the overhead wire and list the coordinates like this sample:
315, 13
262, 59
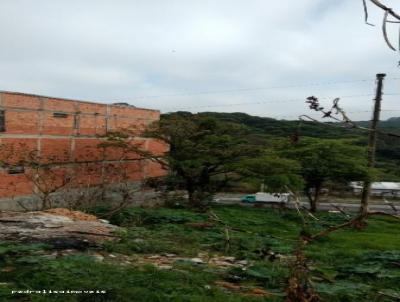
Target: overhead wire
271, 101
312, 84
263, 102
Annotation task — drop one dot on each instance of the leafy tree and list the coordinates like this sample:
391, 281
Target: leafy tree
204, 152
263, 131
327, 160
276, 173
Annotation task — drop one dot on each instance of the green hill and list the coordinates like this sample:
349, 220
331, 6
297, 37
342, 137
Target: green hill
261, 129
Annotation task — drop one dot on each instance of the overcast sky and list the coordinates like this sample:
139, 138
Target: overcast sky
261, 57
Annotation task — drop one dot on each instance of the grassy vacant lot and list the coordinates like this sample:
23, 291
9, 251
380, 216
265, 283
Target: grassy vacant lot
349, 265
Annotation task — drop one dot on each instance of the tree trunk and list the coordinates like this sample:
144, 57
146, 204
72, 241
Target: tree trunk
315, 200
192, 198
308, 194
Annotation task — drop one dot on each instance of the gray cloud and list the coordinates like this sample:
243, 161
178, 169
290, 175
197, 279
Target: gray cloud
163, 54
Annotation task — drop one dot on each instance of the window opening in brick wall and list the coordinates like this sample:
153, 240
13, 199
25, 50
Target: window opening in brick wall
16, 170
60, 115
2, 121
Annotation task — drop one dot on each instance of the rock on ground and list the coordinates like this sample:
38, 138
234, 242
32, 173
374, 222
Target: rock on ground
61, 228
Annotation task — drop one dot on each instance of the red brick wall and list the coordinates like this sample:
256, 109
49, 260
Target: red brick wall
70, 143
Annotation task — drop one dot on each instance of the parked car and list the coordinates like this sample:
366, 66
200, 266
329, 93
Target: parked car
267, 197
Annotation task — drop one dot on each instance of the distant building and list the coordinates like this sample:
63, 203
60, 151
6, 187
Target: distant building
388, 189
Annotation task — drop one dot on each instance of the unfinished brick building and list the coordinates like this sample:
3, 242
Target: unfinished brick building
65, 135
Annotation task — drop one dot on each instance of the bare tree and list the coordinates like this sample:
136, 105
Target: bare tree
338, 114
119, 176
55, 180
48, 176
45, 177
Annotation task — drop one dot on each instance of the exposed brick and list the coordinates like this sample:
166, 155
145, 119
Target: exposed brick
57, 125
154, 115
21, 122
88, 150
100, 125
20, 101
134, 170
16, 150
113, 153
134, 112
133, 125
157, 147
154, 169
12, 185
123, 111
86, 175
58, 105
92, 108
55, 150
130, 151
112, 122
113, 172
87, 124
49, 179
71, 144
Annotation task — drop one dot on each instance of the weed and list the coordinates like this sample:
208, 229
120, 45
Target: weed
347, 265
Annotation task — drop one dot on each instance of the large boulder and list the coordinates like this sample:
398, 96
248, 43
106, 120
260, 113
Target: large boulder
61, 228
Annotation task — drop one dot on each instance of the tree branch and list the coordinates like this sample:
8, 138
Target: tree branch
366, 13
336, 109
384, 31
352, 222
385, 8
387, 12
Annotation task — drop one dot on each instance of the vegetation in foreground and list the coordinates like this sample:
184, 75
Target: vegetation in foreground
348, 265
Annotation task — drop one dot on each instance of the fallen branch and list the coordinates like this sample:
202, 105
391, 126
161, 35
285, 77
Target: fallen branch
309, 213
333, 229
356, 221
383, 214
340, 210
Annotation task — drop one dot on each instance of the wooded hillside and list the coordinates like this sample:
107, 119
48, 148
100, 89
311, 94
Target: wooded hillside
262, 129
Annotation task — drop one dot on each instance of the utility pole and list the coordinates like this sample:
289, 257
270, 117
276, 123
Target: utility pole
372, 142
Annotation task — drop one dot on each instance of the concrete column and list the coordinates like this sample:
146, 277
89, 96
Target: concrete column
108, 110
40, 119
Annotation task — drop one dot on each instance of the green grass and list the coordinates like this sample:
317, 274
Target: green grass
121, 283
348, 265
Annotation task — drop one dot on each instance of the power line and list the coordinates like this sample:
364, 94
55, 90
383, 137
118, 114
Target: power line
273, 101
257, 88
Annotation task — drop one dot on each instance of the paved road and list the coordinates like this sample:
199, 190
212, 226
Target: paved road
347, 207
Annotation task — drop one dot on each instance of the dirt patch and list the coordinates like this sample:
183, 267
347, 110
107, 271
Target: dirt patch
167, 261
75, 215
